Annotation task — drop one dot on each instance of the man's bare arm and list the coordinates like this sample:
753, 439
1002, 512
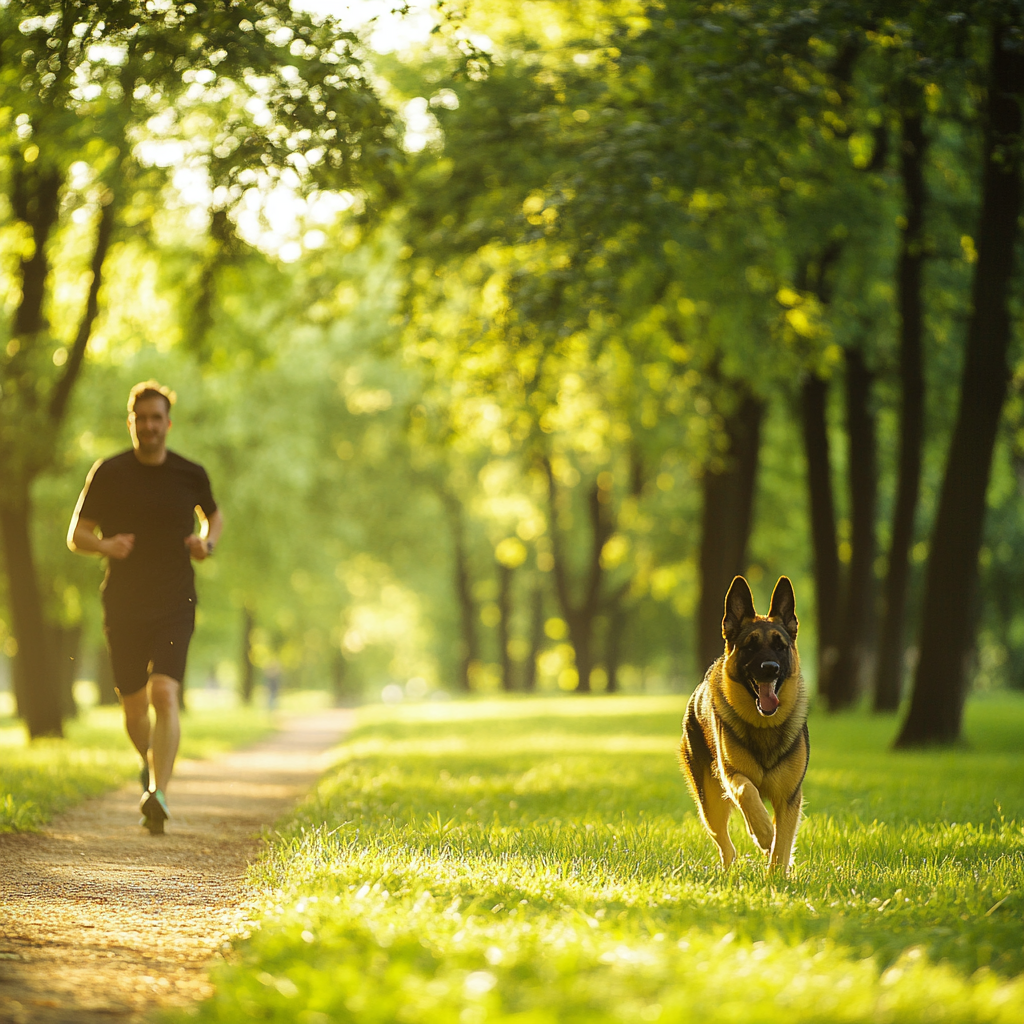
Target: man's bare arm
83, 539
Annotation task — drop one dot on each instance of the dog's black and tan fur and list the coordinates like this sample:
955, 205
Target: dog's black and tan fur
745, 731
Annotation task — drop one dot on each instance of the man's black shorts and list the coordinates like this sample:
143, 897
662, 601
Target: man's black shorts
141, 648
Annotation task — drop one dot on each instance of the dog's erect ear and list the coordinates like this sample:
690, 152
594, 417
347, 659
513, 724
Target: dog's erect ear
739, 606
784, 606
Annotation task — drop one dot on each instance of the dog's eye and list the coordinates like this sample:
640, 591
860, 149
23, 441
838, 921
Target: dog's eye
778, 643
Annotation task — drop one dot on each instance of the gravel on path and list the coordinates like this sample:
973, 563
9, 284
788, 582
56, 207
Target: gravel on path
100, 921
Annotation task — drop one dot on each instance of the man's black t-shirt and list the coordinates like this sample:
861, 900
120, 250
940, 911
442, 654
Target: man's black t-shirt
157, 504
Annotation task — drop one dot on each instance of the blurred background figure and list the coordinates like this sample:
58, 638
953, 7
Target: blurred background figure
272, 679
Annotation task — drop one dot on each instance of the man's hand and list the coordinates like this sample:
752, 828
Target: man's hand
119, 546
196, 547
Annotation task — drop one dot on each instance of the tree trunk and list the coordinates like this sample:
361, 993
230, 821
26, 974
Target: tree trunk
505, 576
857, 629
618, 611
579, 616
36, 201
76, 357
248, 669
823, 526
726, 523
65, 642
536, 637
889, 677
204, 294
31, 442
470, 644
613, 651
35, 678
948, 620
581, 635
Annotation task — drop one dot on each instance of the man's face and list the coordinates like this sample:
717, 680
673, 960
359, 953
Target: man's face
149, 424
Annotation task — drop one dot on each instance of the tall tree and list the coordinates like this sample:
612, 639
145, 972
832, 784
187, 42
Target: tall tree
580, 603
912, 254
857, 623
506, 574
247, 667
948, 616
462, 578
827, 580
536, 639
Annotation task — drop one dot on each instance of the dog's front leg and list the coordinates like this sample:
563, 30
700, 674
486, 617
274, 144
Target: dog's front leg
787, 820
747, 798
715, 809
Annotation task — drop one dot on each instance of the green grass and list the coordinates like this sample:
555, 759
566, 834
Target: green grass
538, 860
41, 779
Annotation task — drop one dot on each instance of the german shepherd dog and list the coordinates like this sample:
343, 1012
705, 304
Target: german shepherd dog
745, 731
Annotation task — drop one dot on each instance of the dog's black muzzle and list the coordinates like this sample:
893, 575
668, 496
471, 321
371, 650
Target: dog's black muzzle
767, 672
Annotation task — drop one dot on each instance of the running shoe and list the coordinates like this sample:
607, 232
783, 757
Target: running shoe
154, 811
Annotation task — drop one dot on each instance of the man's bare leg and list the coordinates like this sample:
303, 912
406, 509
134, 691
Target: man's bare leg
163, 695
136, 721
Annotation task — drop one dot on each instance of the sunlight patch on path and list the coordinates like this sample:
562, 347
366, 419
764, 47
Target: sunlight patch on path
98, 918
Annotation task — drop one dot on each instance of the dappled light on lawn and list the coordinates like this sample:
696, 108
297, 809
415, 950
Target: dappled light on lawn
539, 860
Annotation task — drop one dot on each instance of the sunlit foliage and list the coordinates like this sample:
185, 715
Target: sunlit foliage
460, 385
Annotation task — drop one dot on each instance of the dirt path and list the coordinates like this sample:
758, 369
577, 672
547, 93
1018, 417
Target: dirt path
100, 921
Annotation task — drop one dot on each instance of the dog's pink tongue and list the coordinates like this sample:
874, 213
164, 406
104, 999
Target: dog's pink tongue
766, 697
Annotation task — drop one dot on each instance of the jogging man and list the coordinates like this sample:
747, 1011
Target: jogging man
144, 503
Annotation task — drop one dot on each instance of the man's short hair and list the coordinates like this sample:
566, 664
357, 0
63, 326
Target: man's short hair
150, 389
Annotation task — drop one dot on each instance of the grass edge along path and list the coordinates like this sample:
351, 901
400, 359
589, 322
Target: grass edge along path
42, 778
538, 861
99, 918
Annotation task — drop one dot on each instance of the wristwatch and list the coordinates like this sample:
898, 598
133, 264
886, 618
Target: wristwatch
209, 547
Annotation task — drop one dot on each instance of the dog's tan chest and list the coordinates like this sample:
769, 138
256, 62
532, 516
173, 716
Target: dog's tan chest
772, 757
734, 756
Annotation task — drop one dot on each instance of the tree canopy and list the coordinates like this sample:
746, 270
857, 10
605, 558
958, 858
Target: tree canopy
506, 352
